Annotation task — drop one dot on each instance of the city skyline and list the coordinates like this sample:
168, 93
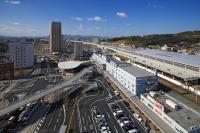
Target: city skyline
99, 18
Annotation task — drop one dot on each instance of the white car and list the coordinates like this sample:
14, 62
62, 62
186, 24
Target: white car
116, 92
120, 111
137, 117
105, 129
133, 131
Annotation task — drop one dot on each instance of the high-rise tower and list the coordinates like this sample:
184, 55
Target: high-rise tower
55, 37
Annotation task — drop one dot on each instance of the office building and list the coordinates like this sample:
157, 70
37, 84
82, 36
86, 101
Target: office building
55, 37
78, 50
178, 116
21, 54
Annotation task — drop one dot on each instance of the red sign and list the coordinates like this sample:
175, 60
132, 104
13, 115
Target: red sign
159, 106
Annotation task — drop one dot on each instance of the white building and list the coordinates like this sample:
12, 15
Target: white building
22, 54
134, 79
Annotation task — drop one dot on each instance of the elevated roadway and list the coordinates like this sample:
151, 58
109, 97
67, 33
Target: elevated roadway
63, 85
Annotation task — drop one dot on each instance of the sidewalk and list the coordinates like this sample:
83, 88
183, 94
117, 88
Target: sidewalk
150, 114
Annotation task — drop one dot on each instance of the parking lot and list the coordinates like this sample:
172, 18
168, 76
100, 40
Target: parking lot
103, 111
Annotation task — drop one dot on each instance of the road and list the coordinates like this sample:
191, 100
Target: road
69, 82
54, 118
119, 101
97, 102
88, 106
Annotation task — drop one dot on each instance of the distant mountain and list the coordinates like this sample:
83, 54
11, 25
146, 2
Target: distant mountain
183, 38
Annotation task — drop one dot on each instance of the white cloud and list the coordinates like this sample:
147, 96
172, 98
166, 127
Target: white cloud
14, 2
16, 23
78, 18
122, 14
18, 30
96, 18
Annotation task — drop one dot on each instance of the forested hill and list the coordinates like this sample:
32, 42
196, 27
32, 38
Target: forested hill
187, 38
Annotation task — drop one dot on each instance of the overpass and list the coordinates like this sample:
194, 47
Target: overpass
67, 85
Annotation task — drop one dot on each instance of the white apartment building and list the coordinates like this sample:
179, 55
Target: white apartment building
136, 80
21, 54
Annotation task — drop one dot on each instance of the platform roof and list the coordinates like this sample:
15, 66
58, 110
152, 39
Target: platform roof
70, 64
193, 60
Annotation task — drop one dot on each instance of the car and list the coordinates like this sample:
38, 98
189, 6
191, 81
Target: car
102, 123
122, 119
118, 116
104, 128
12, 118
145, 126
99, 118
117, 93
137, 117
120, 111
130, 126
114, 107
133, 131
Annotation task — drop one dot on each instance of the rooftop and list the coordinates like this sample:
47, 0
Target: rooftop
183, 116
136, 72
70, 64
118, 62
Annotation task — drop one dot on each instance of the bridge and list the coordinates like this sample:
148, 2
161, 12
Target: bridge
67, 85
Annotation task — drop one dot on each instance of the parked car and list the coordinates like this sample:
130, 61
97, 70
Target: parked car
137, 117
117, 93
145, 126
133, 131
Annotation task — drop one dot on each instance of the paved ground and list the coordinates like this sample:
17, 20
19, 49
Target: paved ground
54, 119
32, 123
27, 88
87, 106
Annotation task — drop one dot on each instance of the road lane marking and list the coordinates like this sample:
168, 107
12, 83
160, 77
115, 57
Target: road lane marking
68, 128
57, 120
89, 118
115, 129
93, 122
108, 115
54, 128
50, 122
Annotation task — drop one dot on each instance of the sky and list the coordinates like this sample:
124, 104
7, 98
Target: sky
109, 18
